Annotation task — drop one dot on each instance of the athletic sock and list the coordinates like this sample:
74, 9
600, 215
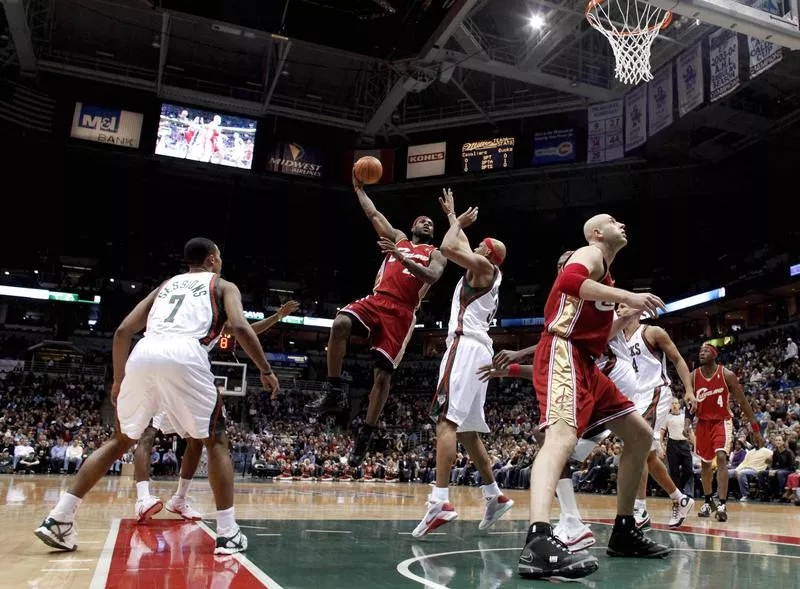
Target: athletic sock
490, 491
676, 495
183, 487
226, 522
708, 499
142, 490
566, 497
65, 509
441, 494
640, 505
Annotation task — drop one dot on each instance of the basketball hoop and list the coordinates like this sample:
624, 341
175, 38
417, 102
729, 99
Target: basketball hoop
630, 26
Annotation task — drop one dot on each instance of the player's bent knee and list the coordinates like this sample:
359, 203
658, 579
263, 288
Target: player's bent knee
341, 327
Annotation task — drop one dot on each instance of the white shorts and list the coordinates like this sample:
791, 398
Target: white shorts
460, 395
654, 406
169, 380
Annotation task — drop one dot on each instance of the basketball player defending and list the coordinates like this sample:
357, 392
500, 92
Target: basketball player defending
388, 315
148, 505
615, 363
169, 371
714, 433
575, 396
650, 346
457, 406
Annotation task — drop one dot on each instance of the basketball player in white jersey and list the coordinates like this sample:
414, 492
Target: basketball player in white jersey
148, 505
616, 364
457, 405
169, 371
650, 346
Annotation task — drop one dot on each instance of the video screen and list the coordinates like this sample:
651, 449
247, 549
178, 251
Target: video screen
205, 136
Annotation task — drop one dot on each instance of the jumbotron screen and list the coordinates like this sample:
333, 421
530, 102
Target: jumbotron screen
205, 136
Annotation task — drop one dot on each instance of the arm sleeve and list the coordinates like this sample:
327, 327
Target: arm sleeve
572, 277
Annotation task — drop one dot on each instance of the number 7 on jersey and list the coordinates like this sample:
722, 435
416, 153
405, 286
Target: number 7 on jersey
172, 301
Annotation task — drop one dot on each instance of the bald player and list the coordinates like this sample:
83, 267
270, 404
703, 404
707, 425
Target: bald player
575, 396
457, 405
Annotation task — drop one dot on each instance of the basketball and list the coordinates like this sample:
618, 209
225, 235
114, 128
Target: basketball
368, 170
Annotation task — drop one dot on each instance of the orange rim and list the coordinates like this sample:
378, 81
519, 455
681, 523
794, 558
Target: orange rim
663, 25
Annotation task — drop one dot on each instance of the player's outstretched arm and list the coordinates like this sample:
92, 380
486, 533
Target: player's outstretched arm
736, 388
379, 222
503, 358
490, 371
663, 342
244, 334
455, 247
287, 308
133, 323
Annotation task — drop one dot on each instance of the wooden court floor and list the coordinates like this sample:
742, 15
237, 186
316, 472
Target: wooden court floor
345, 535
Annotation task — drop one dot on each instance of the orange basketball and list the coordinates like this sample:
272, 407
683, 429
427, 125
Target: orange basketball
368, 170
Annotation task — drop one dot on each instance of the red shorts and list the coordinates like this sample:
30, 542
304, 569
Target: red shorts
389, 323
570, 387
713, 436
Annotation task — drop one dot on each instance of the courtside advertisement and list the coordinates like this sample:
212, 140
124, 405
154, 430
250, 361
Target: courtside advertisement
107, 125
426, 160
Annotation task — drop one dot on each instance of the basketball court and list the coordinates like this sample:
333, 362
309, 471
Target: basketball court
358, 535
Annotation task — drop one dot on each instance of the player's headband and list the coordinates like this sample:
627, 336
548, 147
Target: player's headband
422, 218
711, 349
493, 256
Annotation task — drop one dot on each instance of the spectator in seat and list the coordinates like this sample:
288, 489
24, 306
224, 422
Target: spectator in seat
22, 450
755, 462
782, 466
74, 456
58, 457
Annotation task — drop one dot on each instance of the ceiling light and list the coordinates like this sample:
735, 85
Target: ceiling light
536, 21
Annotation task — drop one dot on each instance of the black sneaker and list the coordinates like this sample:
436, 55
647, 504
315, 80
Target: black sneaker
706, 509
362, 446
236, 542
722, 512
627, 540
545, 556
332, 400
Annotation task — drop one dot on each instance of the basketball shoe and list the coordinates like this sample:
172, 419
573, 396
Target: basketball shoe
147, 508
232, 543
680, 509
642, 519
332, 400
438, 514
180, 506
722, 512
496, 507
574, 534
58, 535
362, 445
628, 540
545, 556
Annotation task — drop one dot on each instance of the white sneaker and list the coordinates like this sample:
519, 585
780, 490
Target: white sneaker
574, 537
439, 513
147, 508
59, 535
680, 509
642, 519
236, 542
496, 507
181, 507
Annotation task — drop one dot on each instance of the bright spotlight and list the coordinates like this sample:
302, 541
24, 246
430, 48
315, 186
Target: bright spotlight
536, 21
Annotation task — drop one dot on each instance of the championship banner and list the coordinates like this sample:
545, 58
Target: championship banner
635, 118
659, 100
386, 156
426, 160
723, 59
553, 147
605, 132
295, 159
763, 55
106, 125
691, 85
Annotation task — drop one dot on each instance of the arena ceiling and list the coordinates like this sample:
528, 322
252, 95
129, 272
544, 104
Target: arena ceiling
376, 67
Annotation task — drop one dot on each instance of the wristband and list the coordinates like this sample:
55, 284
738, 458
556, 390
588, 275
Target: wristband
267, 373
513, 370
755, 426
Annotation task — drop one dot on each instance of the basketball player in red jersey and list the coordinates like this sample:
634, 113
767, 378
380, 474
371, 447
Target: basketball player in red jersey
575, 396
712, 385
388, 315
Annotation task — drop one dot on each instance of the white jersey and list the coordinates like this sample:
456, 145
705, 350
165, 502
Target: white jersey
650, 365
616, 364
472, 310
188, 305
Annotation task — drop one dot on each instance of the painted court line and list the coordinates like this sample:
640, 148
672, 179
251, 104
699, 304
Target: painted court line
104, 563
428, 534
328, 531
254, 527
71, 560
265, 579
265, 534
62, 570
519, 532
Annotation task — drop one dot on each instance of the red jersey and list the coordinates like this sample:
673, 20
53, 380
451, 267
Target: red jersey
396, 281
585, 323
712, 395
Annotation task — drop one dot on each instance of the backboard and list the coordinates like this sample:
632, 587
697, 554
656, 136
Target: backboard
231, 376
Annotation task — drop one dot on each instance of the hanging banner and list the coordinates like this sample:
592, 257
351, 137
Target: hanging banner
635, 118
691, 85
605, 132
426, 160
553, 147
107, 125
763, 55
295, 159
723, 58
659, 100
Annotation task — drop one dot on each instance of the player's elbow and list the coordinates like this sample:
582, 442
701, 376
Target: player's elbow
447, 249
238, 326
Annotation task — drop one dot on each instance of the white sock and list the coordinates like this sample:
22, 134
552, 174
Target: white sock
640, 505
676, 495
566, 497
183, 487
142, 490
491, 491
226, 522
441, 494
65, 509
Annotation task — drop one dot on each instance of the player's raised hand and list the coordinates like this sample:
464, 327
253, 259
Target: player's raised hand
468, 217
389, 247
691, 401
489, 371
503, 358
448, 205
270, 383
288, 308
646, 301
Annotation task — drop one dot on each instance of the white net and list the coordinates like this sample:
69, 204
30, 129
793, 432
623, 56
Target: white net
631, 27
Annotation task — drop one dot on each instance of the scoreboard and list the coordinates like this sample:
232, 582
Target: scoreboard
492, 154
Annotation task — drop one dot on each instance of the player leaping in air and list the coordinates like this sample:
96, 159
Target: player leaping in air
387, 316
